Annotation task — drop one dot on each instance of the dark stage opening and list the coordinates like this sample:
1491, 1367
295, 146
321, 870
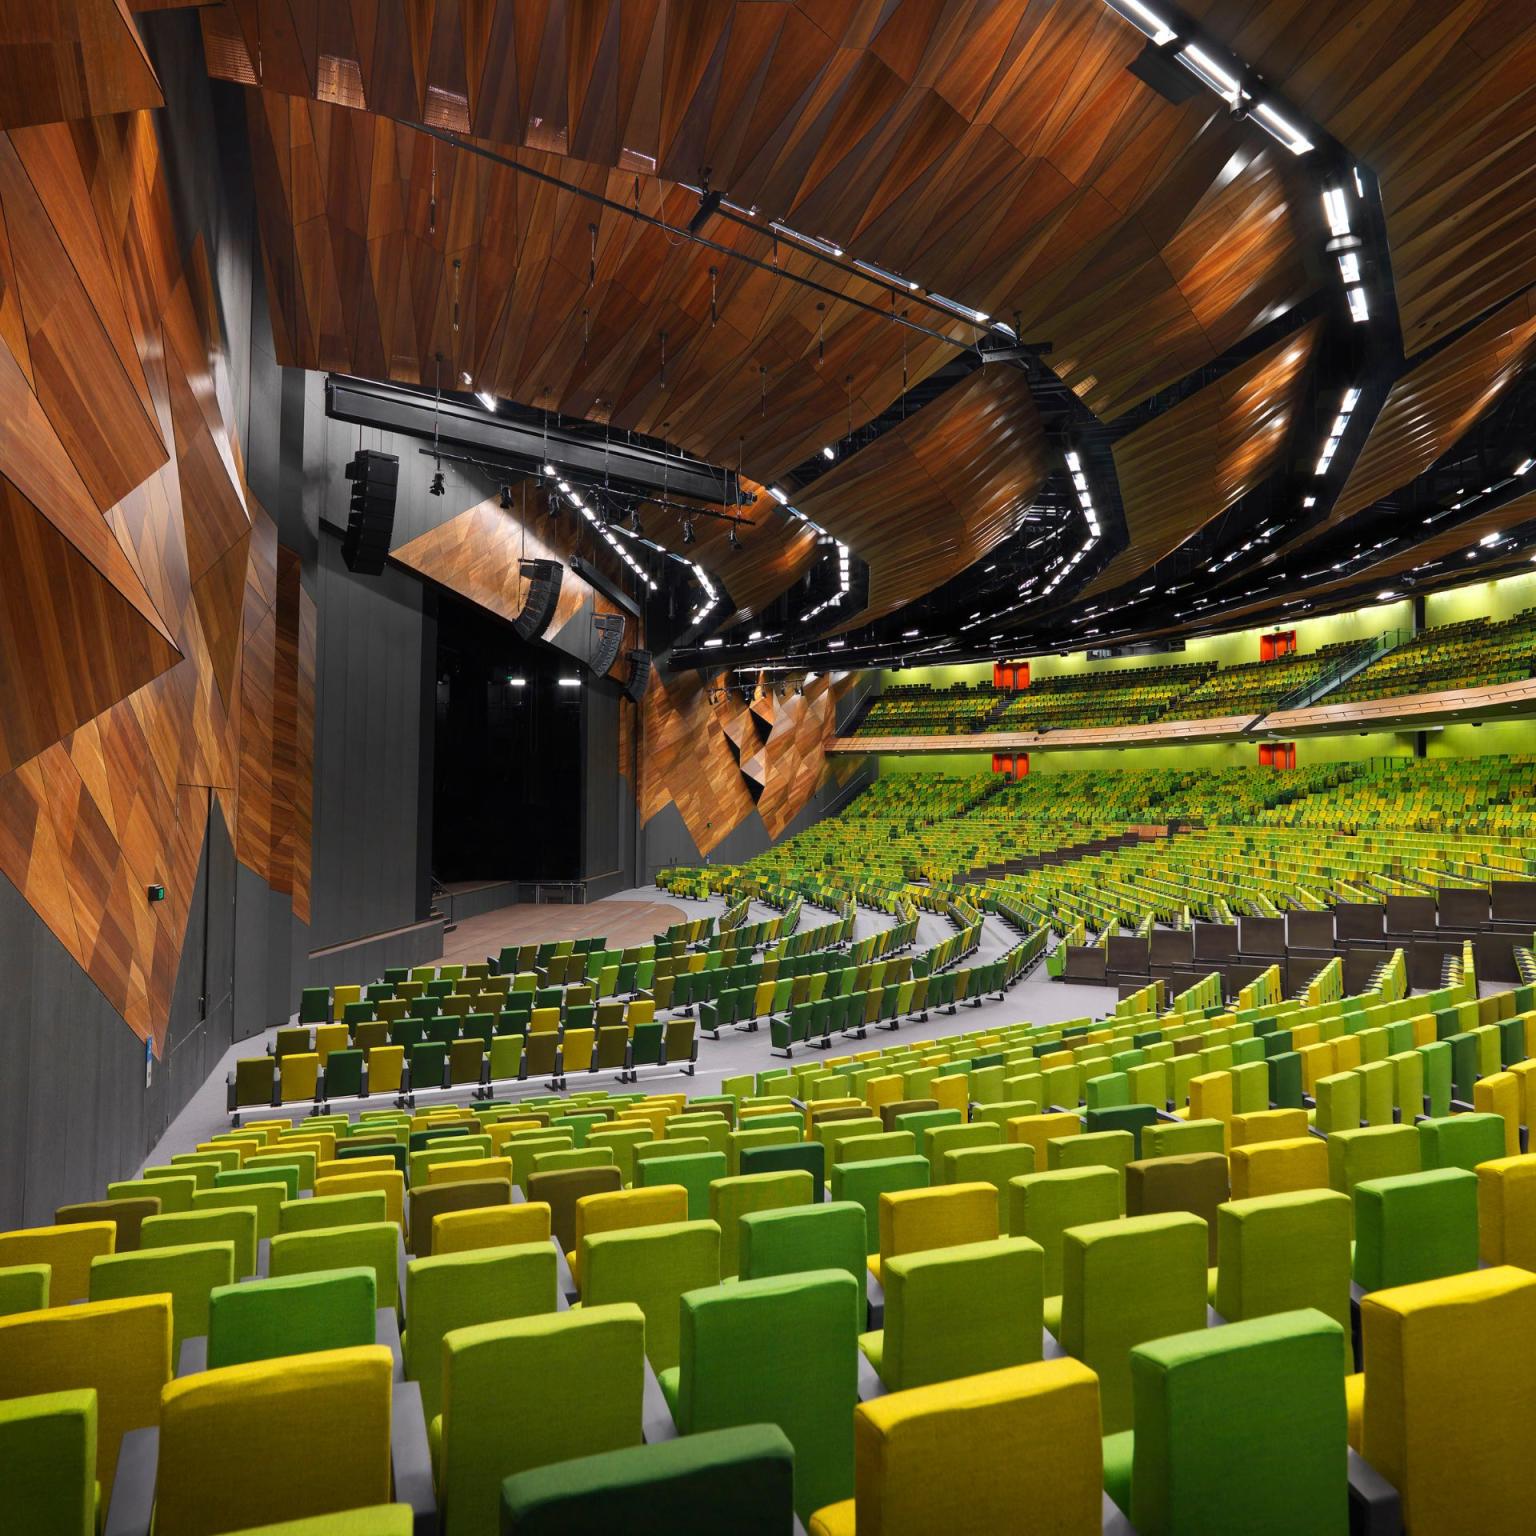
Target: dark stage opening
507, 780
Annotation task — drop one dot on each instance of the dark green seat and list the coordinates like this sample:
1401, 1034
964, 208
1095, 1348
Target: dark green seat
290, 1315
645, 1045
663, 1489
344, 1074
315, 1005
428, 1063
809, 1155
1123, 1117
420, 1139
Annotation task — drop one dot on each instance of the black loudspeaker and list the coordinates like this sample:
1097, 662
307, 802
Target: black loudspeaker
371, 514
543, 578
639, 674
608, 637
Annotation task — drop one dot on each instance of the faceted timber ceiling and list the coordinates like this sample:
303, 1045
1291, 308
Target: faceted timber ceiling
503, 193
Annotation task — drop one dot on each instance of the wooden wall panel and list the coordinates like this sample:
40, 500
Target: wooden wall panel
937, 493
138, 582
1190, 464
718, 761
80, 59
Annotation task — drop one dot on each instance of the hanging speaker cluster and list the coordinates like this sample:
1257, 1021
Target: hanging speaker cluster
607, 638
371, 512
543, 578
639, 674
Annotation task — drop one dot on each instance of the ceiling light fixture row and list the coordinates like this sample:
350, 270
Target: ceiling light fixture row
1336, 431
603, 531
844, 583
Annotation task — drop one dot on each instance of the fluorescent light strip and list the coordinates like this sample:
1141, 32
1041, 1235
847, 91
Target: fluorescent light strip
1145, 21
1278, 128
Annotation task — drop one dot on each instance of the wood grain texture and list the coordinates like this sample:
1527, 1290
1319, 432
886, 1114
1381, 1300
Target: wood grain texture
1432, 406
1190, 464
138, 574
938, 492
80, 59
1438, 97
719, 761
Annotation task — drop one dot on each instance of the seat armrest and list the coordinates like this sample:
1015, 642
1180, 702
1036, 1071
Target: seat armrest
133, 1491
1375, 1506
874, 1298
386, 1331
1114, 1521
870, 1385
263, 1259
194, 1355
655, 1417
411, 1458
565, 1286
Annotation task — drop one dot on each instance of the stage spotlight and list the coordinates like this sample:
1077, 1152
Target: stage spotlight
734, 537
688, 531
506, 498
436, 487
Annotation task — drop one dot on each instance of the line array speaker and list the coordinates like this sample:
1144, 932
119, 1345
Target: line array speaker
639, 674
371, 513
543, 578
608, 637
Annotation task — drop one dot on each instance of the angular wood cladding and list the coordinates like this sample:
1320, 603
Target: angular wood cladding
156, 653
718, 757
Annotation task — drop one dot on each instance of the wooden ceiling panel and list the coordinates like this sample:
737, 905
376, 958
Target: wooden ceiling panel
1438, 97
938, 492
1191, 463
60, 61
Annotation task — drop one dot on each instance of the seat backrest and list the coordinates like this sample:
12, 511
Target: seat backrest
1461, 1141
694, 1171
390, 1182
68, 1250
653, 1267
48, 1450
370, 1245
126, 1215
459, 1290
1042, 1206
1506, 1211
615, 1210
1415, 1226
333, 1211
866, 1181
779, 1351
1449, 1409
590, 1366
680, 1485
916, 1219
984, 1431
956, 1311
283, 1415
186, 1274
1124, 1282
1197, 1184
1280, 1253
561, 1189
732, 1198
120, 1348
828, 1235
431, 1200
291, 1314
1279, 1167
496, 1226
265, 1199
1210, 1401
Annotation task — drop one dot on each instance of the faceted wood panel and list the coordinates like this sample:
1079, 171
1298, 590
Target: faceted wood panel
131, 552
1190, 464
938, 492
59, 60
1432, 406
1438, 97
718, 762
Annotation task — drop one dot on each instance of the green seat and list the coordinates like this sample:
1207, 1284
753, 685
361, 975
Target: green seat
1100, 1149
265, 1199
809, 1156
958, 1312
695, 1171
1042, 1206
371, 1245
995, 1165
180, 1229
1283, 1253
778, 1351
187, 1275
1183, 1138
663, 1489
590, 1367
1371, 1152
828, 1235
344, 1074
1248, 1420
333, 1211
460, 1290
48, 1451
1461, 1141
653, 1267
24, 1288
174, 1194
1417, 1226
286, 1174
1124, 1283
291, 1315
731, 1199
865, 1182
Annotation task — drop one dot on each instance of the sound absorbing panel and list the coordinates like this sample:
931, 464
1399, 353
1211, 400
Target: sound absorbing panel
639, 674
371, 514
543, 578
608, 636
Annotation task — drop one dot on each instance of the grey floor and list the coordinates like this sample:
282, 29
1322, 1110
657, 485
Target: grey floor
1033, 1000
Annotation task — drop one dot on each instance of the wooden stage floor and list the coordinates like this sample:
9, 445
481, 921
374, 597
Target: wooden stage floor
621, 922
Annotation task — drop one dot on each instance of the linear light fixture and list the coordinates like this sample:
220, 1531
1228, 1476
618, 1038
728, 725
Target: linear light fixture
1145, 20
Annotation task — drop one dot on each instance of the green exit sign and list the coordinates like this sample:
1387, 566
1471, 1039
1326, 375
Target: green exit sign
157, 892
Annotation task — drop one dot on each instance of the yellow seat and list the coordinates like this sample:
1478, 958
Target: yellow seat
1506, 1211
492, 1226
67, 1250
964, 1457
121, 1348
392, 1182
459, 1172
915, 1220
1268, 1125
1279, 1167
1499, 1094
386, 1067
298, 1075
330, 1037
1038, 1130
282, 1415
342, 996
1449, 1417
